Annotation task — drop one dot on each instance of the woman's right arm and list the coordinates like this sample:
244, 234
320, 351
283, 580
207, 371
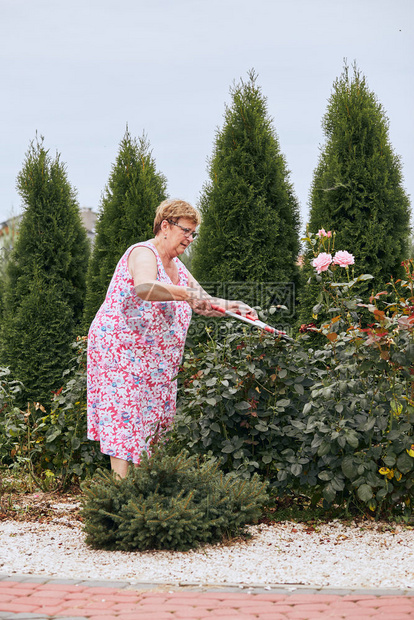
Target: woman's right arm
142, 265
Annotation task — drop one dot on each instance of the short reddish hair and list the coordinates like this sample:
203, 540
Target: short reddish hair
173, 209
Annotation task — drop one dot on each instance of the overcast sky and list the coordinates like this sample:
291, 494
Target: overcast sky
76, 71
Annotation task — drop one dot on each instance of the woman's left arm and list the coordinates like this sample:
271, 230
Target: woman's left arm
234, 306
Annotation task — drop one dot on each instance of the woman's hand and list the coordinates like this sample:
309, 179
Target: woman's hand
239, 307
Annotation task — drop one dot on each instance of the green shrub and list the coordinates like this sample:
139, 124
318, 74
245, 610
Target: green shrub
169, 502
50, 441
10, 390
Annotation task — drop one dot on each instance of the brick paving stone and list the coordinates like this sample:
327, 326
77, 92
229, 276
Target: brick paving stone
194, 600
365, 617
92, 613
281, 608
374, 602
312, 598
16, 592
106, 590
195, 612
76, 596
134, 598
399, 608
368, 612
52, 611
345, 605
271, 597
66, 611
18, 607
153, 615
271, 616
89, 605
50, 593
90, 618
309, 607
238, 596
248, 603
73, 618
239, 616
58, 587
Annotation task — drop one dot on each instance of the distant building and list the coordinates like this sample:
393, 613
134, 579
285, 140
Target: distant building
9, 228
89, 218
8, 232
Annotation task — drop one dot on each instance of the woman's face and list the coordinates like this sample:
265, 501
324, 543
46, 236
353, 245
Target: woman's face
180, 235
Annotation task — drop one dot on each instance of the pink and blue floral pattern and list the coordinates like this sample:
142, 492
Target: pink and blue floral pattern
135, 349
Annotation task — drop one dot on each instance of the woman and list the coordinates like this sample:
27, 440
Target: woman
136, 341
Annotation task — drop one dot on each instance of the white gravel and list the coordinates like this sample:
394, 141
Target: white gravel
335, 555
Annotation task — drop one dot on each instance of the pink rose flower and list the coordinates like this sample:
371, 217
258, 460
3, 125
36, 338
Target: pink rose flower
322, 233
343, 258
322, 262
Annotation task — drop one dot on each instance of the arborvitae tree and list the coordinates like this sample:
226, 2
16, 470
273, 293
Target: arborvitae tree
127, 211
357, 188
45, 284
250, 226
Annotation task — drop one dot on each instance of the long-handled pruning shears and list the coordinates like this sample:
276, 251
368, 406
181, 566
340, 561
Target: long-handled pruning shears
251, 321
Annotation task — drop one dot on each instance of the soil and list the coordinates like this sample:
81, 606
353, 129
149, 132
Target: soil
40, 507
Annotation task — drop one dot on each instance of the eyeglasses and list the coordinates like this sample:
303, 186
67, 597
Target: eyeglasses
187, 231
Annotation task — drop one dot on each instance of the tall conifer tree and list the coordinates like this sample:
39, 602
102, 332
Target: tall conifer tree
250, 226
45, 284
357, 188
134, 190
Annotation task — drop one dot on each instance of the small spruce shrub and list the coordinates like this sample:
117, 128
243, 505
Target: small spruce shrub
169, 502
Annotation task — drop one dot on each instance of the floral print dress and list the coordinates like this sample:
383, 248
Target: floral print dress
135, 348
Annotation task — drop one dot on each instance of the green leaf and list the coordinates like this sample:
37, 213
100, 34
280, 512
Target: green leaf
325, 475
76, 442
329, 493
296, 469
348, 467
352, 439
285, 402
389, 459
267, 458
405, 463
211, 382
242, 406
324, 448
52, 436
365, 493
364, 276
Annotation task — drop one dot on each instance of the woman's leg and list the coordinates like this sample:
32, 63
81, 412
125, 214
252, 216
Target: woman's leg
119, 466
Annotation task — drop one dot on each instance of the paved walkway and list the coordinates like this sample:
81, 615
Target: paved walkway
40, 598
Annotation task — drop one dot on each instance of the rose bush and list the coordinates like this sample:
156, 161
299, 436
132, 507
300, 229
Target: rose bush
330, 417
